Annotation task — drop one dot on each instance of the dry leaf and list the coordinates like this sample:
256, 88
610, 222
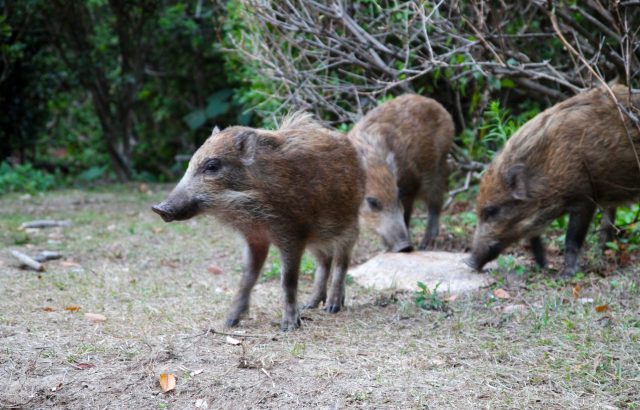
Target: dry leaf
48, 309
157, 230
214, 269
72, 308
83, 366
196, 372
167, 382
95, 317
602, 308
232, 341
576, 291
70, 264
625, 258
169, 263
56, 388
501, 294
450, 298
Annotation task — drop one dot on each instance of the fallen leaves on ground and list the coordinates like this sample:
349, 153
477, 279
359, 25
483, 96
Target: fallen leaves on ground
70, 264
95, 317
83, 366
450, 298
501, 294
48, 309
72, 308
602, 308
575, 291
214, 269
167, 382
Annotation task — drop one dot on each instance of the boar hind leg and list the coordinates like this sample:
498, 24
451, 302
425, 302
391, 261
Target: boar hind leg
579, 221
255, 253
537, 248
339, 273
320, 280
607, 228
291, 258
433, 224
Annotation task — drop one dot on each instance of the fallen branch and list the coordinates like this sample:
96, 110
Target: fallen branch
28, 261
215, 332
44, 223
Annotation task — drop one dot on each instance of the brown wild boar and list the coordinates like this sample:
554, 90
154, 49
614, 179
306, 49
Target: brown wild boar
572, 158
404, 144
297, 187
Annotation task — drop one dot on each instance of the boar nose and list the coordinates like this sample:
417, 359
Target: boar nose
161, 209
402, 247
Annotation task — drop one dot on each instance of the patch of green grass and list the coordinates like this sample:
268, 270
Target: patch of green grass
274, 267
428, 299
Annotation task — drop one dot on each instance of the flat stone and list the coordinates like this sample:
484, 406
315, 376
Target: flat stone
403, 270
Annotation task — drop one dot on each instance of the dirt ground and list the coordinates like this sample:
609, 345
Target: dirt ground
164, 298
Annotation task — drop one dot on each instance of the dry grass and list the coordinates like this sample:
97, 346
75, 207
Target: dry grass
163, 307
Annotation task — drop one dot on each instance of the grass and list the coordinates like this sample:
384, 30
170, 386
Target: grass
542, 347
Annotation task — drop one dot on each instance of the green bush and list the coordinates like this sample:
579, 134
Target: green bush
24, 178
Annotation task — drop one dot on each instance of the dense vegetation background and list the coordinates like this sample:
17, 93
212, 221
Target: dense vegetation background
99, 90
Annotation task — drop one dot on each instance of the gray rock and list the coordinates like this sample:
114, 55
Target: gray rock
404, 270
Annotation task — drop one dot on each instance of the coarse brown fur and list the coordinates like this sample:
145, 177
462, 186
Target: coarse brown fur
299, 186
404, 144
574, 157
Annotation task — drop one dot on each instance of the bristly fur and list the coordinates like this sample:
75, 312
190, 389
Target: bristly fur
300, 120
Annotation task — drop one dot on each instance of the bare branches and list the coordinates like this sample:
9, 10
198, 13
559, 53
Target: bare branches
337, 57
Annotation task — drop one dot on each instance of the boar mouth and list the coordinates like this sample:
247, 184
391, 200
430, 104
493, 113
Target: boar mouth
479, 258
171, 213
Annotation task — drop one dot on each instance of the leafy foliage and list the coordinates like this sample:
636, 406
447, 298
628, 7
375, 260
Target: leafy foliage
24, 178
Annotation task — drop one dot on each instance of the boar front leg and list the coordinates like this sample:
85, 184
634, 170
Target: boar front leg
539, 253
320, 280
255, 253
291, 258
579, 221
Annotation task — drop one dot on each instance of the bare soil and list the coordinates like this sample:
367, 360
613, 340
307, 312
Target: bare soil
545, 346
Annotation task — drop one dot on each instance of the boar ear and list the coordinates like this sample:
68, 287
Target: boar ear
516, 181
214, 131
391, 162
245, 143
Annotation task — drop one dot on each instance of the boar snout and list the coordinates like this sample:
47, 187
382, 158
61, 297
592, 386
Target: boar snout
176, 209
402, 247
483, 254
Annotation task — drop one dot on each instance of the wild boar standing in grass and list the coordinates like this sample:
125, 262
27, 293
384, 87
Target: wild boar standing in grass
297, 187
404, 144
574, 157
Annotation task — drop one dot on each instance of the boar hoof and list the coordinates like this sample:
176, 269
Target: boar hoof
231, 322
470, 262
332, 308
288, 325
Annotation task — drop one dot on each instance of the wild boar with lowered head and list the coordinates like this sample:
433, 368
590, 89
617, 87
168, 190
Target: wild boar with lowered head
574, 157
404, 144
297, 187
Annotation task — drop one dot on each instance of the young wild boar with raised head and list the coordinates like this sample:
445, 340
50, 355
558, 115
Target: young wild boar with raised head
297, 187
404, 144
572, 158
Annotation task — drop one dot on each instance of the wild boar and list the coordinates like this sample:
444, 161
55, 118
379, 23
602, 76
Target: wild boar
404, 144
572, 158
297, 187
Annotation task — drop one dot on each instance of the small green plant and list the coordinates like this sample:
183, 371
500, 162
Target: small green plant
24, 178
427, 299
508, 263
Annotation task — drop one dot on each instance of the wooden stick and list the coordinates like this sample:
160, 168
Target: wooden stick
28, 261
44, 223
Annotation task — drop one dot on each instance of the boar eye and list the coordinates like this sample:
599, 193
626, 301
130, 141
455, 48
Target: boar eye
211, 166
489, 212
374, 204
